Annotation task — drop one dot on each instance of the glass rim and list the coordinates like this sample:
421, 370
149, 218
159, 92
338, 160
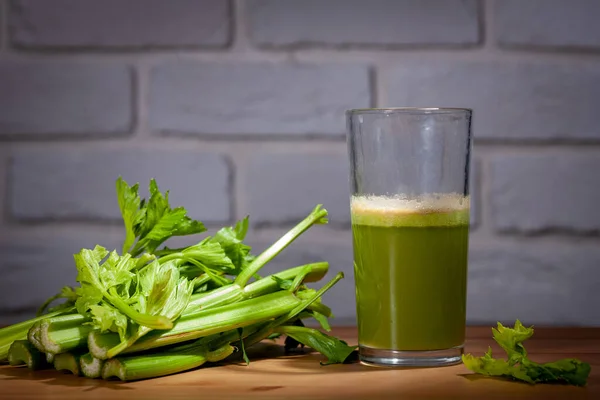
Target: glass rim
424, 110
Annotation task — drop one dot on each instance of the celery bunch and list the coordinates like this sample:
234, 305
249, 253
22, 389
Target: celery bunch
152, 311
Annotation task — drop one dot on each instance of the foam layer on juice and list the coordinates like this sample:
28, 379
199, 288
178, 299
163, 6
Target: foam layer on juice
429, 210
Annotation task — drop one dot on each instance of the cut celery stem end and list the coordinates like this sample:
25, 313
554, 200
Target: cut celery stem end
22, 352
19, 331
25, 325
90, 366
64, 333
33, 336
65, 340
68, 362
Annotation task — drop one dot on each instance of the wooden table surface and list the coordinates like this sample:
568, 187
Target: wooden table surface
273, 375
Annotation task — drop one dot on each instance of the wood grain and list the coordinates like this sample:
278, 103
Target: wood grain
274, 375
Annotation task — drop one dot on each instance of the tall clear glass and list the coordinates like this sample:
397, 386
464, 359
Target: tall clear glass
410, 224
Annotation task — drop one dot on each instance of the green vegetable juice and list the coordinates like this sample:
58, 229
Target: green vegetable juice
411, 271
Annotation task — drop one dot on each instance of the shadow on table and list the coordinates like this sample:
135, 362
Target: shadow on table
478, 377
58, 378
302, 361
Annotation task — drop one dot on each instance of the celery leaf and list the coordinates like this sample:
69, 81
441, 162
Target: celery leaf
336, 350
160, 292
487, 365
231, 240
519, 367
129, 203
107, 318
322, 320
153, 221
244, 355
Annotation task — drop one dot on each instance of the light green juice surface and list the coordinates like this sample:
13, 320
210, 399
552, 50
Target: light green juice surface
411, 272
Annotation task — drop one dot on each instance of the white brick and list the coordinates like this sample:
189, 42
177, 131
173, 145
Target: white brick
512, 101
543, 285
284, 188
81, 184
255, 98
119, 23
65, 98
547, 23
275, 23
537, 193
35, 267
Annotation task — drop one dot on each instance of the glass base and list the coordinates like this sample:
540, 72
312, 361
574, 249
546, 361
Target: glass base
395, 358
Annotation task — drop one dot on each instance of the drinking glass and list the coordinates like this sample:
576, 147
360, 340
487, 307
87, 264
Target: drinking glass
409, 178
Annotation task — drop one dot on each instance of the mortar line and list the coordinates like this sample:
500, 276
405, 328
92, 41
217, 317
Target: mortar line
520, 148
240, 40
6, 183
485, 220
298, 144
239, 53
475, 195
232, 179
4, 189
324, 234
4, 41
486, 24
140, 101
374, 88
339, 235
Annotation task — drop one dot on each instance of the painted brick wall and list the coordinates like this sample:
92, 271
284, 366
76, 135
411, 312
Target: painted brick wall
237, 107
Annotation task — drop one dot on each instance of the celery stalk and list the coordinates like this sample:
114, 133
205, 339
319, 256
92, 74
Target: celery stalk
224, 295
317, 216
22, 352
90, 366
161, 364
19, 331
151, 321
320, 308
33, 336
270, 327
201, 280
64, 333
223, 318
68, 362
203, 323
306, 303
217, 297
233, 293
314, 273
